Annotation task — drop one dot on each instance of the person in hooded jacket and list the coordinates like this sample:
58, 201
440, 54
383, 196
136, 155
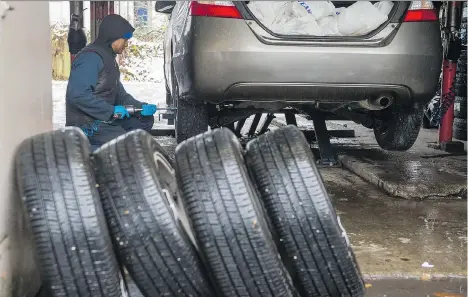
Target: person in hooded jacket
95, 97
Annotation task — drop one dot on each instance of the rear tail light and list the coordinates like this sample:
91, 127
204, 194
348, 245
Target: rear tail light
421, 11
216, 9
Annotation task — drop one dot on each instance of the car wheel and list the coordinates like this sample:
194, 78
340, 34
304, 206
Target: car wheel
191, 116
138, 186
460, 109
398, 127
461, 68
459, 129
191, 120
227, 217
312, 242
73, 246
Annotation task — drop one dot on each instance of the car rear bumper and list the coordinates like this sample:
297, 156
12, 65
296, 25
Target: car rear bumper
228, 62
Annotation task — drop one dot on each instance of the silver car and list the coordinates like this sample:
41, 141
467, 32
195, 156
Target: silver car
223, 65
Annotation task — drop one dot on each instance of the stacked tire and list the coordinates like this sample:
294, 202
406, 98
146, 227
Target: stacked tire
59, 191
262, 218
460, 115
226, 222
69, 194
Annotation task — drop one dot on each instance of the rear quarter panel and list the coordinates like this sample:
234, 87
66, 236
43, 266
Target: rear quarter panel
181, 39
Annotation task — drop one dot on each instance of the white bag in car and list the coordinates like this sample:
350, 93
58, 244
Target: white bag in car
266, 11
384, 6
293, 19
318, 9
360, 18
329, 26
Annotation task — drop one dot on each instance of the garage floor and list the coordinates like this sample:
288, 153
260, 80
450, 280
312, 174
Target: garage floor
405, 213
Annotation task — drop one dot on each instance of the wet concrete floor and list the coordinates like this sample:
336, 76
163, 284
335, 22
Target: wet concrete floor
394, 238
412, 288
419, 173
389, 288
410, 175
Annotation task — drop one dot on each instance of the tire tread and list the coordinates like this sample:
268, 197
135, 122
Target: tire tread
311, 240
148, 238
72, 245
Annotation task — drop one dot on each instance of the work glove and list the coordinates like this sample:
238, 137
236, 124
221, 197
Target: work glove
148, 109
120, 112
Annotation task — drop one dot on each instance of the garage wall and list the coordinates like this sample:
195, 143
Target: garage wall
25, 109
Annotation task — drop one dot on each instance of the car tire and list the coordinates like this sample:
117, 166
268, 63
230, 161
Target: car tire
460, 109
227, 217
312, 241
191, 115
460, 89
72, 243
460, 79
137, 186
461, 68
191, 119
459, 129
398, 127
463, 56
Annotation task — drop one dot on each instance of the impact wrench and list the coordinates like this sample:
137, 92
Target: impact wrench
132, 110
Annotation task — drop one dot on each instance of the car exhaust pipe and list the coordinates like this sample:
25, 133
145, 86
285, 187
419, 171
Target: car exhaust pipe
378, 103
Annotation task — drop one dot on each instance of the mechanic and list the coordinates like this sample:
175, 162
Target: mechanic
95, 98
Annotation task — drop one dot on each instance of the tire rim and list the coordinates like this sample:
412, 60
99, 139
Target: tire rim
167, 180
166, 176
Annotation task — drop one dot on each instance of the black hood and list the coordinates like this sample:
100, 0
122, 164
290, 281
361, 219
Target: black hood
112, 28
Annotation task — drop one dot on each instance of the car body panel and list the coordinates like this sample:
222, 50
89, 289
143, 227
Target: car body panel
220, 59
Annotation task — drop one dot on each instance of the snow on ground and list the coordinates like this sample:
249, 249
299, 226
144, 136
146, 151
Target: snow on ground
150, 92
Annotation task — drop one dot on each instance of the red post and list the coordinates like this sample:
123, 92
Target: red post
446, 123
111, 7
105, 8
99, 10
452, 48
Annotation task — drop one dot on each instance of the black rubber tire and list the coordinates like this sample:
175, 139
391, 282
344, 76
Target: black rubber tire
460, 79
400, 127
460, 90
227, 217
459, 129
461, 68
72, 243
460, 110
312, 241
463, 56
148, 238
191, 120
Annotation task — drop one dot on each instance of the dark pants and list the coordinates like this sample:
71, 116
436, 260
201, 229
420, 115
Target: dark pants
107, 132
